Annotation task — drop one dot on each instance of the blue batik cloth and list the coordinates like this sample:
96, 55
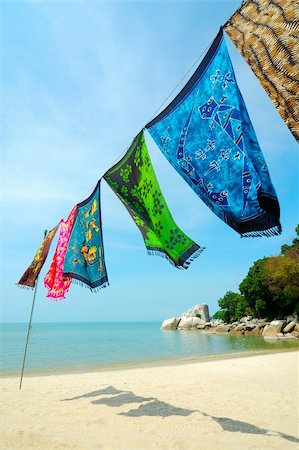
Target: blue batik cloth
207, 136
84, 260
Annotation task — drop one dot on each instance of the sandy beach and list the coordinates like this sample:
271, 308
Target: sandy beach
241, 403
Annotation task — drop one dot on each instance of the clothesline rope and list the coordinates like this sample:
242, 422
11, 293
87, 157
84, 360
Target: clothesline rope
155, 113
180, 81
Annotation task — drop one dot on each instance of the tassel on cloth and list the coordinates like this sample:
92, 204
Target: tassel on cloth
84, 260
134, 182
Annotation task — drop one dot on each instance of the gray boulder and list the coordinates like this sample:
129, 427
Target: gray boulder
216, 322
170, 324
289, 327
223, 329
289, 336
187, 323
270, 331
197, 316
201, 310
256, 330
263, 322
245, 319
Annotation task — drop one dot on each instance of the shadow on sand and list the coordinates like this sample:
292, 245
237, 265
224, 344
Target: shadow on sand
151, 406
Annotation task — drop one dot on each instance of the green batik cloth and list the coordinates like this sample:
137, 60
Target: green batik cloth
134, 181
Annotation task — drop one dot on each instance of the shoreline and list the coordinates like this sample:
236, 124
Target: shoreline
221, 404
152, 364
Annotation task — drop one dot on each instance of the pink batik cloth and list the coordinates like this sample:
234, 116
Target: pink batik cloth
54, 281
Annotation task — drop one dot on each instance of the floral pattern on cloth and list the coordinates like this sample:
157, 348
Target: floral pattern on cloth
84, 259
54, 281
134, 182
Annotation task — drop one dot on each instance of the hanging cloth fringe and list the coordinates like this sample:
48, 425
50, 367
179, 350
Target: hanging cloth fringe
134, 181
207, 136
84, 259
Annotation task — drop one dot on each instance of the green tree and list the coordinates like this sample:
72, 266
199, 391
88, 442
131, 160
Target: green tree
233, 307
220, 315
255, 289
283, 281
270, 289
295, 245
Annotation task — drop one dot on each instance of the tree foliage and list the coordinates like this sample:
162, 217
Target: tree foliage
255, 289
233, 307
283, 281
270, 289
295, 244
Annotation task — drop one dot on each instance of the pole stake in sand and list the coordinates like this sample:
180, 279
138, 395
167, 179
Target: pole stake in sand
29, 325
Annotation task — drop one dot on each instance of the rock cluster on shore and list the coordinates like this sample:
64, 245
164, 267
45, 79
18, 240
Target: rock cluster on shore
198, 317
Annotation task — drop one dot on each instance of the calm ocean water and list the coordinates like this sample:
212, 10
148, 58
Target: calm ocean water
67, 347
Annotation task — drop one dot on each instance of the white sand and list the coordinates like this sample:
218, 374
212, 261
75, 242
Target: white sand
235, 404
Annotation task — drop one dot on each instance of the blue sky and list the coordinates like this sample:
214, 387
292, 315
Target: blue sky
79, 80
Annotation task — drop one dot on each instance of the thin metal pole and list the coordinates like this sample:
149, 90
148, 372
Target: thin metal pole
29, 325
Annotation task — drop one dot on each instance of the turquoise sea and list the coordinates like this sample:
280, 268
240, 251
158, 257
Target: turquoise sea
75, 347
